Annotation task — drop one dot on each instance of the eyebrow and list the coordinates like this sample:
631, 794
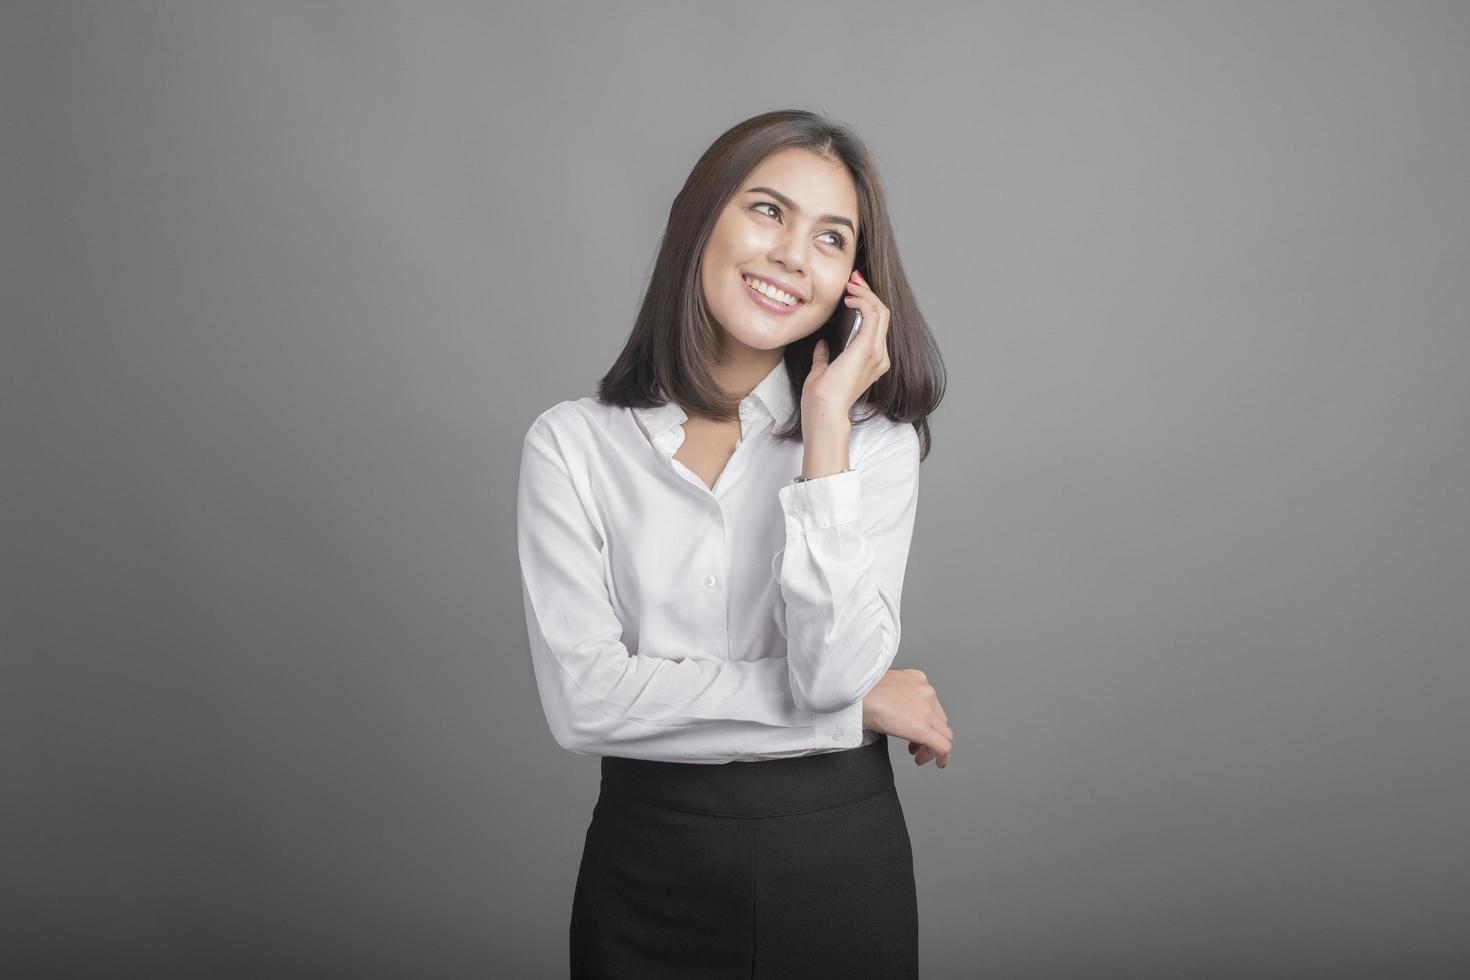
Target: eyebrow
789, 203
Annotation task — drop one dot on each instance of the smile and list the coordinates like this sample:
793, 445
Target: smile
769, 297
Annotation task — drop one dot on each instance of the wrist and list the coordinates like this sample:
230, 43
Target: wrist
824, 446
825, 415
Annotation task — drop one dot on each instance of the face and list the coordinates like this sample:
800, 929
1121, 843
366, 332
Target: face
792, 220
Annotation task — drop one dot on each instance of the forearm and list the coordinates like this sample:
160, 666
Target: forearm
647, 707
841, 568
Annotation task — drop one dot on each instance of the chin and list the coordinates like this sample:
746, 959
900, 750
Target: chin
751, 335
754, 339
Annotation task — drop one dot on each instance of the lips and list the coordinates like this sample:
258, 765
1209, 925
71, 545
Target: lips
785, 287
768, 304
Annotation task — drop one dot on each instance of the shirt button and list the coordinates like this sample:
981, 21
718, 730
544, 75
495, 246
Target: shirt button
836, 734
709, 582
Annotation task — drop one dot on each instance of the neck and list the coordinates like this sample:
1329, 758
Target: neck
741, 368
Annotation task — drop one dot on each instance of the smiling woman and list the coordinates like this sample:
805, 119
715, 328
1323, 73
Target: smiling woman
793, 200
713, 552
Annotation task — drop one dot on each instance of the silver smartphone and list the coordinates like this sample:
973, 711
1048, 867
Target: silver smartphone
848, 324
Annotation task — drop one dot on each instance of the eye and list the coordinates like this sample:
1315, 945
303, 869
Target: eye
841, 238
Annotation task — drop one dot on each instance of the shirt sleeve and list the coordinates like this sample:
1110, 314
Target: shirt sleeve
663, 702
841, 571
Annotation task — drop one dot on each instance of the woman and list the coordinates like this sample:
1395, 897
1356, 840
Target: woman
712, 553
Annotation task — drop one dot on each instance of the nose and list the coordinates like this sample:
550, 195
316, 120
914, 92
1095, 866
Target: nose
789, 249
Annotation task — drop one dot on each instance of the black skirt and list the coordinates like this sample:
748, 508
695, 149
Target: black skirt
796, 867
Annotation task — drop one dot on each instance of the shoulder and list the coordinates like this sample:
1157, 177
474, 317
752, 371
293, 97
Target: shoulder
571, 422
880, 439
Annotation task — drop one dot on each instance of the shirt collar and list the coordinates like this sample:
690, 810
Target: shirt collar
774, 393
771, 398
659, 420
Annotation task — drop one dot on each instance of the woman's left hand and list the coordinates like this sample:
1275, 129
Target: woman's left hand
835, 386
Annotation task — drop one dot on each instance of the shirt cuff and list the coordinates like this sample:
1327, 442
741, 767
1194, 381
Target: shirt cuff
842, 729
822, 502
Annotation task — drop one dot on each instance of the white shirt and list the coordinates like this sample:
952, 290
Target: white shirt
673, 621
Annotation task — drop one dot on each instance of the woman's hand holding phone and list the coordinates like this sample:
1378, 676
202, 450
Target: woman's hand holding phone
834, 386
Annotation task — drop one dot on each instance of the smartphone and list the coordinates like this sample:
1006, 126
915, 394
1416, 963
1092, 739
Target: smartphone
848, 322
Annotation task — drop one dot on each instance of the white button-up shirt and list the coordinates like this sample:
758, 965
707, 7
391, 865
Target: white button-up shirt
673, 621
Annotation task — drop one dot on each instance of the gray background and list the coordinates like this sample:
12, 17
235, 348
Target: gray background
284, 286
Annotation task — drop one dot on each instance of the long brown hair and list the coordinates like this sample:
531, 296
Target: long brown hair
674, 339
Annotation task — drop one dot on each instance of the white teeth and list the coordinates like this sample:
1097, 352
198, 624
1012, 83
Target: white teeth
766, 289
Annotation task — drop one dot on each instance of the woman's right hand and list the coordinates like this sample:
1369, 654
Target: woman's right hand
905, 705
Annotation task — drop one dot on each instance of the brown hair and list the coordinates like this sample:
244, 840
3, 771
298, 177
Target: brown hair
674, 339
